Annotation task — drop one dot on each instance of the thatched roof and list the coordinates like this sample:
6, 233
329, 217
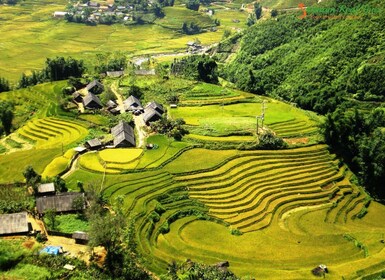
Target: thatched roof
111, 104
94, 83
151, 115
63, 202
13, 223
132, 103
94, 143
46, 188
123, 135
156, 106
92, 101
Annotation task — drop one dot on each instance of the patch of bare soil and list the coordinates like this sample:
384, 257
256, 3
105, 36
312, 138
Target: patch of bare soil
293, 141
76, 250
28, 244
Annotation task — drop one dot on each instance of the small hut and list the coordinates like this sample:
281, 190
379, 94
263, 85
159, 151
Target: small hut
46, 189
151, 115
80, 237
95, 87
91, 101
11, 224
93, 144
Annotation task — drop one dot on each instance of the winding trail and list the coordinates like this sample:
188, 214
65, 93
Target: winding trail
119, 98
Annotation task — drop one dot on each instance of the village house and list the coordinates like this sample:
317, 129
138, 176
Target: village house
111, 104
46, 189
91, 101
124, 135
63, 202
115, 74
156, 106
95, 87
77, 97
93, 144
151, 115
80, 237
17, 223
132, 104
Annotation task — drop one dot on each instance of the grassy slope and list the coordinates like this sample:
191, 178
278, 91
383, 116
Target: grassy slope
30, 31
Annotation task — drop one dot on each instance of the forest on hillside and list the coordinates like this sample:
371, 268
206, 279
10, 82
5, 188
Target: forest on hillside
331, 64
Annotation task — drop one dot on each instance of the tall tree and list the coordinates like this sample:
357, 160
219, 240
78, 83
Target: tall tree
6, 115
4, 85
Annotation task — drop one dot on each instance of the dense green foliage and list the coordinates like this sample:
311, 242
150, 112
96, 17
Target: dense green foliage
6, 116
56, 69
171, 128
15, 199
195, 271
110, 62
360, 140
4, 85
200, 68
328, 63
313, 62
117, 236
193, 5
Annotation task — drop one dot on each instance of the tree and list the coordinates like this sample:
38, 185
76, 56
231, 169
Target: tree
4, 85
271, 142
60, 184
112, 232
31, 177
50, 215
193, 5
274, 13
6, 115
251, 19
258, 10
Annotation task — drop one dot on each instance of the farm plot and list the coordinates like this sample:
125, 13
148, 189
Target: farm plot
121, 160
239, 119
51, 132
284, 202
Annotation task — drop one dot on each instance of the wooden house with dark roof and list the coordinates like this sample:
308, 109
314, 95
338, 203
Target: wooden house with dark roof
93, 144
46, 189
80, 237
95, 87
16, 223
91, 101
111, 104
123, 134
151, 115
156, 106
132, 103
77, 97
63, 202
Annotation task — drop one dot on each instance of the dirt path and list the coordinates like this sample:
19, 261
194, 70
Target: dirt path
119, 98
72, 169
140, 127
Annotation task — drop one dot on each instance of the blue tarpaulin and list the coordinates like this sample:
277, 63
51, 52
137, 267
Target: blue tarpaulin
52, 250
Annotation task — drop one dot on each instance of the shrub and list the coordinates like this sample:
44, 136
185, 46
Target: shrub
269, 141
235, 231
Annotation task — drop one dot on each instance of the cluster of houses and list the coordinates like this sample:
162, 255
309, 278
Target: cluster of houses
93, 11
47, 199
153, 111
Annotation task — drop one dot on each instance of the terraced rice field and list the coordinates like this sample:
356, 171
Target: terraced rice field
296, 208
114, 161
226, 119
51, 132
